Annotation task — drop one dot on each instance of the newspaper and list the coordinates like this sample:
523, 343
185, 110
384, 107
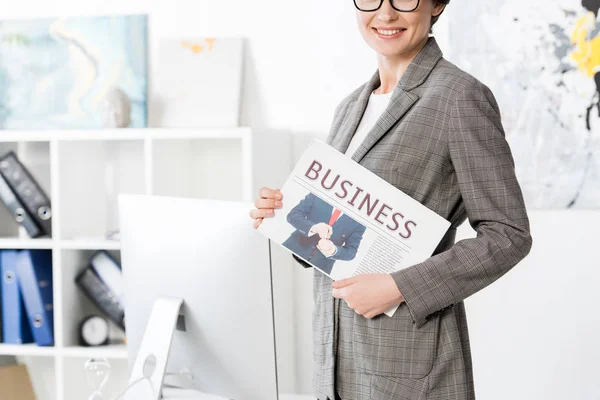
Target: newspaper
344, 220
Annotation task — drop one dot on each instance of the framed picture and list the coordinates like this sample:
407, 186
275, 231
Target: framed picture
75, 72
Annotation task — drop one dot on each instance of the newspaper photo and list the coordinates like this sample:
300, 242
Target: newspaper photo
345, 220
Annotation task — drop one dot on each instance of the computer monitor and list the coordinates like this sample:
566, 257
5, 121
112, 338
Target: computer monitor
206, 252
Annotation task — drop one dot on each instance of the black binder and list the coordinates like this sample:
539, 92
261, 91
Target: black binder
101, 295
17, 210
28, 191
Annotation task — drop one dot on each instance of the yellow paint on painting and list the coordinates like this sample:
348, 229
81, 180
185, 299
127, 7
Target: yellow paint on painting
196, 47
210, 42
587, 52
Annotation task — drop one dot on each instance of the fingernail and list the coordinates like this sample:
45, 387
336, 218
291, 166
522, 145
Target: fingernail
278, 204
278, 195
270, 211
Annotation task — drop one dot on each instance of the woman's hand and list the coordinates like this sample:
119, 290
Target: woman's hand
368, 294
269, 200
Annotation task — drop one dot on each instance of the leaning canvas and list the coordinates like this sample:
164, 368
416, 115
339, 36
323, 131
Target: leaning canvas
75, 72
198, 82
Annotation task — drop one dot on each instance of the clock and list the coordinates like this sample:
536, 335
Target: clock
93, 331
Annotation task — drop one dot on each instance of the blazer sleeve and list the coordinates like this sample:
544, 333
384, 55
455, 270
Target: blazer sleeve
494, 205
298, 216
348, 251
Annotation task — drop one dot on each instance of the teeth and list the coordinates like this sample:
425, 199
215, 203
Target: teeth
386, 32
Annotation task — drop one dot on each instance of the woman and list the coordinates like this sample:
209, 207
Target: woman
437, 137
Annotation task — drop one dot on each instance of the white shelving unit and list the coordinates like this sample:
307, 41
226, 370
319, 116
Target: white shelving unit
83, 171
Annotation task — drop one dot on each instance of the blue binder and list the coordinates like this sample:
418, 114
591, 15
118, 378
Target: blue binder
15, 325
34, 271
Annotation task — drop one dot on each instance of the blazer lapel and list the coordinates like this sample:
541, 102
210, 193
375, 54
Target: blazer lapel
401, 101
356, 109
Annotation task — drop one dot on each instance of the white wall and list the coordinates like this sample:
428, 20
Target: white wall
300, 61
534, 332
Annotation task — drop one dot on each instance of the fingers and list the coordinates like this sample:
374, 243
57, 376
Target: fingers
267, 203
267, 212
344, 294
268, 193
344, 282
338, 293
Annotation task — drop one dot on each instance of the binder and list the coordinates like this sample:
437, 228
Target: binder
15, 326
109, 271
17, 210
34, 271
101, 295
27, 190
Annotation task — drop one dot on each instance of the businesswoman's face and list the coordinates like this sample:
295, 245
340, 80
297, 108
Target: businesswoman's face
393, 33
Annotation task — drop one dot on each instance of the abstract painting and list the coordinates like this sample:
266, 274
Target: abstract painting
198, 82
541, 59
69, 72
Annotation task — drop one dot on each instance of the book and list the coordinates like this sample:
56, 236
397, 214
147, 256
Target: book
344, 220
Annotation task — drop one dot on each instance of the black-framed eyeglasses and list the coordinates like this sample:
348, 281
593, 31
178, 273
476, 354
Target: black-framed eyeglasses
398, 5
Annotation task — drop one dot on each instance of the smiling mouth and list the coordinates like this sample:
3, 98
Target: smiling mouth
389, 32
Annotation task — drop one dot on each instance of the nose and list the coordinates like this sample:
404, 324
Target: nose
386, 12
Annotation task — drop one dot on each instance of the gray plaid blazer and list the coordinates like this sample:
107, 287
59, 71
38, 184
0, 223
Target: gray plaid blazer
441, 141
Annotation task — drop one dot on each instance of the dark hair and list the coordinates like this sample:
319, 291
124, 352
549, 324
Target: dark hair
435, 19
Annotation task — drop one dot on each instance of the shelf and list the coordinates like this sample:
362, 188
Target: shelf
74, 304
49, 244
193, 168
30, 349
123, 134
84, 172
10, 243
88, 193
90, 244
113, 351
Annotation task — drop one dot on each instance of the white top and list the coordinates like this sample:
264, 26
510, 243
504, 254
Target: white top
376, 105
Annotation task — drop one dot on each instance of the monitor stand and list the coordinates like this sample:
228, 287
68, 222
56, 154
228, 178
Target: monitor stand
153, 355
